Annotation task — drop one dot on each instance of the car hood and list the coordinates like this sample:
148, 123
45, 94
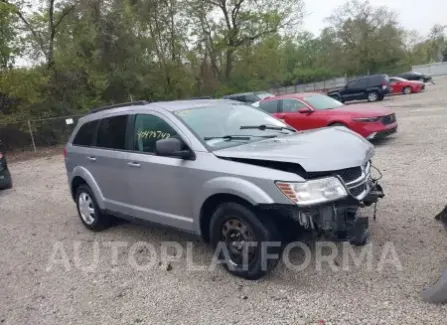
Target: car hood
365, 110
318, 150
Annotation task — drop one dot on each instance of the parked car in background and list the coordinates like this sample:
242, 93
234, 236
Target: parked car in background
305, 111
372, 88
403, 86
416, 76
5, 175
249, 97
231, 173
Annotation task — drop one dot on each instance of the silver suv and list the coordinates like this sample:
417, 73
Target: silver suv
228, 172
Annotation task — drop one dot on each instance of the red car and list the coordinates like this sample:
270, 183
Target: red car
306, 111
403, 86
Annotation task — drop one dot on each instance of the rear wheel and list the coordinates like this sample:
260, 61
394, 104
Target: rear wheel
373, 96
247, 245
91, 215
407, 90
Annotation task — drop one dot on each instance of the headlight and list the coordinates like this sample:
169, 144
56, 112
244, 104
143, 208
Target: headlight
313, 191
366, 119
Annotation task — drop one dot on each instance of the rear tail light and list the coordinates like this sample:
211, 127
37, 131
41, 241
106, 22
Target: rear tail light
65, 152
1, 156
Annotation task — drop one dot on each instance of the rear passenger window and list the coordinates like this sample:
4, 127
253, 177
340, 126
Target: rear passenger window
148, 130
291, 105
112, 132
270, 106
364, 83
86, 133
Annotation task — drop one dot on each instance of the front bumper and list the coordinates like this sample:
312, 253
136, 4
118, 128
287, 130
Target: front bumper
339, 219
382, 133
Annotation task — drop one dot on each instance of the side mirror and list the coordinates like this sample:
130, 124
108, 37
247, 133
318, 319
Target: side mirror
172, 147
304, 110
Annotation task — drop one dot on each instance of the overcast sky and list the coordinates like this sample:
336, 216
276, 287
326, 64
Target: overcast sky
413, 14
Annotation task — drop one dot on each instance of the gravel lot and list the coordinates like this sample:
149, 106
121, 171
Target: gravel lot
39, 214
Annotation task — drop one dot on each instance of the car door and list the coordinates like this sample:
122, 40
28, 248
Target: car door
106, 160
158, 185
351, 91
289, 113
396, 85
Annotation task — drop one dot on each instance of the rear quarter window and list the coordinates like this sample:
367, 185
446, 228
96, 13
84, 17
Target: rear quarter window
86, 134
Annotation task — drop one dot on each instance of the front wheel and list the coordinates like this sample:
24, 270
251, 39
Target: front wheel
407, 90
246, 244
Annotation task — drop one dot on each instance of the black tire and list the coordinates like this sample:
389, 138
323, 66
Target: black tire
407, 90
101, 221
262, 230
372, 96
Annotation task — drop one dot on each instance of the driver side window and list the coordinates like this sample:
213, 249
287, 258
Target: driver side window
148, 130
291, 105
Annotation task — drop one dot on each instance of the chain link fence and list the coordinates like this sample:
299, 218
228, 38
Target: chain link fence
36, 135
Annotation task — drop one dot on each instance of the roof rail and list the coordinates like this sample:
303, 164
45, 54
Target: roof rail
202, 97
136, 103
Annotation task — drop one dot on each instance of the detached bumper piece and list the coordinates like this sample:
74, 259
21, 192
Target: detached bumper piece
438, 292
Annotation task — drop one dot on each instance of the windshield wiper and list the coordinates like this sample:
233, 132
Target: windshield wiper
263, 127
238, 137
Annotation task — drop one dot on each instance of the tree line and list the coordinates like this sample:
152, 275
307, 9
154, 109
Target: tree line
80, 54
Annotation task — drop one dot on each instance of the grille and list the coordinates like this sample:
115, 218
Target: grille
388, 119
350, 174
356, 191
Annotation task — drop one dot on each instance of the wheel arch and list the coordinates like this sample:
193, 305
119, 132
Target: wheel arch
210, 205
82, 176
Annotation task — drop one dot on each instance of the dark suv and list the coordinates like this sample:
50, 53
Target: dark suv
251, 97
372, 88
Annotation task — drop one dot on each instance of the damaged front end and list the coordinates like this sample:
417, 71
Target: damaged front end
339, 219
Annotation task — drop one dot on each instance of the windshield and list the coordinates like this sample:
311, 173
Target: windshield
322, 102
219, 126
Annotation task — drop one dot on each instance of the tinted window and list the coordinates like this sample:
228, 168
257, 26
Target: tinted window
364, 83
270, 106
291, 105
351, 84
148, 130
112, 132
322, 102
85, 135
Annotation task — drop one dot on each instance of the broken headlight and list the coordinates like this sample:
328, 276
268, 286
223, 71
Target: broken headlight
313, 191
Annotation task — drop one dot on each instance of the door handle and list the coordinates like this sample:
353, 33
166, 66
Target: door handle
134, 164
91, 158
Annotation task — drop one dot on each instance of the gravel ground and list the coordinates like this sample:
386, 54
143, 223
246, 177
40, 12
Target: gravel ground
38, 214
